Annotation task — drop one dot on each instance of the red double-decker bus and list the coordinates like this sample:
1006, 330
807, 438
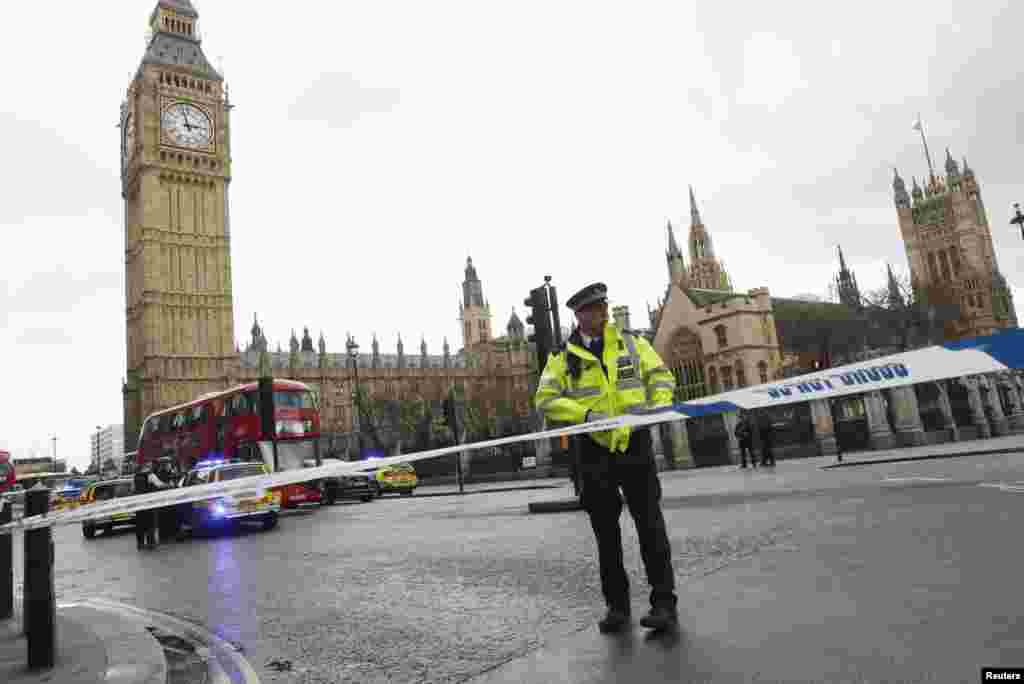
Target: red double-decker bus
224, 426
7, 476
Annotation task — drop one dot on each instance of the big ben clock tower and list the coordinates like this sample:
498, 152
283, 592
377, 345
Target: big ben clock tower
175, 173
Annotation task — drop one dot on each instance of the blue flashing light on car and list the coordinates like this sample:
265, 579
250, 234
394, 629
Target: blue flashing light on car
209, 463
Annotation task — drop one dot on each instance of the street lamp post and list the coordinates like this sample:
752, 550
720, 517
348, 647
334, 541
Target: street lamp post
353, 353
98, 431
1018, 219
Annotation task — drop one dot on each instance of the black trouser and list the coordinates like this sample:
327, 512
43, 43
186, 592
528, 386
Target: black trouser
602, 474
747, 451
767, 457
144, 528
168, 517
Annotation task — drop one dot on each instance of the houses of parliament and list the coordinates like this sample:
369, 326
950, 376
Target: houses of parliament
176, 169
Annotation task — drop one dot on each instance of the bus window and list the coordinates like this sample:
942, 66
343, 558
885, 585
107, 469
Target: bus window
198, 415
165, 422
300, 399
251, 402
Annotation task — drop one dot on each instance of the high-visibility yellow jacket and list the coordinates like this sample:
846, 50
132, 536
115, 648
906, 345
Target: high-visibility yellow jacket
637, 381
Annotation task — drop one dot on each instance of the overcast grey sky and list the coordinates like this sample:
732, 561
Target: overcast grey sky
376, 145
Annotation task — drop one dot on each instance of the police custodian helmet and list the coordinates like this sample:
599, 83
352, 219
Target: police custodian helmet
596, 292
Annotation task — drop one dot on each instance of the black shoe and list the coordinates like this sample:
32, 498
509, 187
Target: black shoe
660, 618
614, 621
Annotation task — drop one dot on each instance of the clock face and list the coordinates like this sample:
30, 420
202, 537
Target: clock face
129, 136
187, 125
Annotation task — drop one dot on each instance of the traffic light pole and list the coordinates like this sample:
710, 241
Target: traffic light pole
543, 304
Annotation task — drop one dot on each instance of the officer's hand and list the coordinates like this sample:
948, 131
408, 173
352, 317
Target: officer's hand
594, 416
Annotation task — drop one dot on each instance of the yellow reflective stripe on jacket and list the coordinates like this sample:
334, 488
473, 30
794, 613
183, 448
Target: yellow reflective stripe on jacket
583, 392
660, 369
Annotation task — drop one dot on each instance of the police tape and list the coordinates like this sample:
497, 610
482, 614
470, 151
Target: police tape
258, 484
981, 355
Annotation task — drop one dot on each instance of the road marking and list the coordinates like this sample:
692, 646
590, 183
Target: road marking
219, 648
915, 478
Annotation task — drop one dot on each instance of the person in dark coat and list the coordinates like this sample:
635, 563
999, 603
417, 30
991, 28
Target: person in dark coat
745, 434
767, 435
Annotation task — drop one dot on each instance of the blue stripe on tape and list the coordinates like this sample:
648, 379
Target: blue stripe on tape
1006, 347
698, 410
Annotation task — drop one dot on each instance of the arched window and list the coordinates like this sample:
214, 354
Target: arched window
726, 378
944, 260
713, 379
933, 268
741, 374
954, 258
723, 340
762, 371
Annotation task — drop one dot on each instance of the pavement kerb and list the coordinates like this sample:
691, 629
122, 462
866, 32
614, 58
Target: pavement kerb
924, 457
81, 656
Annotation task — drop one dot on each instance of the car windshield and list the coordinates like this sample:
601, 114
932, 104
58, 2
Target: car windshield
241, 471
291, 455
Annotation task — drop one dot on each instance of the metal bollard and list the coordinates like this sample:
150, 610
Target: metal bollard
40, 601
6, 563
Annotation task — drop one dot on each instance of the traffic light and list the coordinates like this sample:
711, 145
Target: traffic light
541, 322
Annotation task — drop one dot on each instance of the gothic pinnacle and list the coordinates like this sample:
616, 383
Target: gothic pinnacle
694, 212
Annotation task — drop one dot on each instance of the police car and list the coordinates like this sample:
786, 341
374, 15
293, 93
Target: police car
248, 506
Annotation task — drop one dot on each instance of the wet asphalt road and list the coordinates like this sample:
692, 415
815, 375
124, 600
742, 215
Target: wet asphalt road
778, 571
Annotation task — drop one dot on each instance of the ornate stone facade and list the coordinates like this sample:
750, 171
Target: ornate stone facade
176, 171
949, 247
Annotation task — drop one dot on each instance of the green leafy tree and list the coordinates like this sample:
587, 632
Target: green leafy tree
480, 420
369, 412
411, 413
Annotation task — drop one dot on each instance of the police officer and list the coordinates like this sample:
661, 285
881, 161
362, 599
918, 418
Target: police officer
600, 372
167, 516
145, 521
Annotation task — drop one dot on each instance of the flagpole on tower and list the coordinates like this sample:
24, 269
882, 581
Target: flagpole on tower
919, 127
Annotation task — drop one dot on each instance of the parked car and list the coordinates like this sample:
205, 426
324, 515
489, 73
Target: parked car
360, 486
398, 477
68, 496
256, 505
105, 491
16, 496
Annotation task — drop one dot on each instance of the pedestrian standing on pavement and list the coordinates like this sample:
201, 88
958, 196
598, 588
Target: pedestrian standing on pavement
600, 372
745, 435
767, 435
